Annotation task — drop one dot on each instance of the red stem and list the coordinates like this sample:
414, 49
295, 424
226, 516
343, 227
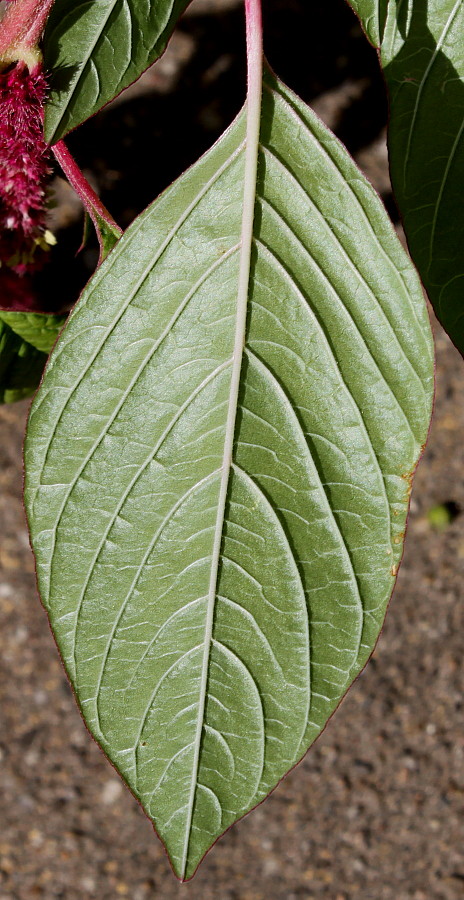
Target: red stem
90, 199
22, 24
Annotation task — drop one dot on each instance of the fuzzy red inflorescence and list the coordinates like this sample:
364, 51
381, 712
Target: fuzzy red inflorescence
24, 167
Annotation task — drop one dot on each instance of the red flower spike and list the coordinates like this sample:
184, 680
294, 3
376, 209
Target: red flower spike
24, 169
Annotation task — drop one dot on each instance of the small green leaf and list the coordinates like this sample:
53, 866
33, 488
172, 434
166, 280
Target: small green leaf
440, 517
96, 49
108, 236
422, 54
218, 466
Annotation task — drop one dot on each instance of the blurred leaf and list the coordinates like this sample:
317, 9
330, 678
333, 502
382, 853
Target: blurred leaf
443, 515
21, 366
39, 329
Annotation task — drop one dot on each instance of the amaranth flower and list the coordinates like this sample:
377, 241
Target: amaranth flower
24, 168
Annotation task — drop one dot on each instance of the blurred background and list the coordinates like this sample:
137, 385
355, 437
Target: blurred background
376, 809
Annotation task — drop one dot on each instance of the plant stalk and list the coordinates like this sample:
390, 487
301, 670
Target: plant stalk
92, 203
22, 24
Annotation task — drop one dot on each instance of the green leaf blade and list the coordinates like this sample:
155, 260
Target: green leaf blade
38, 329
95, 50
25, 342
372, 14
206, 676
422, 55
21, 366
424, 66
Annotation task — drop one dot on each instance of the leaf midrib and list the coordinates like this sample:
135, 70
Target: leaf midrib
253, 122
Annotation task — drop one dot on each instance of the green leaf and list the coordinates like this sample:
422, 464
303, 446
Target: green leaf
108, 236
21, 366
39, 329
372, 14
25, 341
96, 49
422, 54
218, 467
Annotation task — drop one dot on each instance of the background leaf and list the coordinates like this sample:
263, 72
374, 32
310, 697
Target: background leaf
372, 14
96, 49
39, 329
208, 650
25, 342
422, 54
21, 366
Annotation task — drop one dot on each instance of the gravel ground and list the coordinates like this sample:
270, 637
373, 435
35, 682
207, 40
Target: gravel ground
375, 810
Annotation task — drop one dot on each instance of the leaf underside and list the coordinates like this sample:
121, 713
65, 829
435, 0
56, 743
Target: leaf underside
422, 55
204, 698
96, 49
